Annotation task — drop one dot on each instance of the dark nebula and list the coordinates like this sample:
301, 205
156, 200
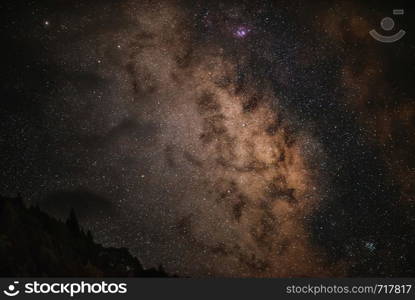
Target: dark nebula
240, 139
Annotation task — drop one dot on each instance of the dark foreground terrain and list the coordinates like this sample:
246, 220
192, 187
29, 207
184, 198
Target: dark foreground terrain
34, 244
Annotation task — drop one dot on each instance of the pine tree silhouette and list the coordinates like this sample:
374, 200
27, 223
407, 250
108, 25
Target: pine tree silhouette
73, 223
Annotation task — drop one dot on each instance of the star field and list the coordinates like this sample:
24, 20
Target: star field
236, 139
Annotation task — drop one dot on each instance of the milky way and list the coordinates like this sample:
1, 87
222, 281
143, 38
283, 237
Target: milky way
243, 140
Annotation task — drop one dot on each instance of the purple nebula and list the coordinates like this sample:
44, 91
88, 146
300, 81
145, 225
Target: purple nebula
241, 32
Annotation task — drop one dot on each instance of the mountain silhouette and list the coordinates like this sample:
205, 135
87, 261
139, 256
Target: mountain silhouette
33, 244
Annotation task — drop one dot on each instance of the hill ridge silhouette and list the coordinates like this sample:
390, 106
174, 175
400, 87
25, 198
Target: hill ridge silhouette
34, 244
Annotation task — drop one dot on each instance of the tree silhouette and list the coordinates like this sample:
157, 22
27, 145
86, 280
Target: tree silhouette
73, 223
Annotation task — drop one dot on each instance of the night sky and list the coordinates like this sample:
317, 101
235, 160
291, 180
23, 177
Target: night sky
240, 139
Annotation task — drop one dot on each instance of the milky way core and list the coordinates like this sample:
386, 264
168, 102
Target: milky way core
246, 186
